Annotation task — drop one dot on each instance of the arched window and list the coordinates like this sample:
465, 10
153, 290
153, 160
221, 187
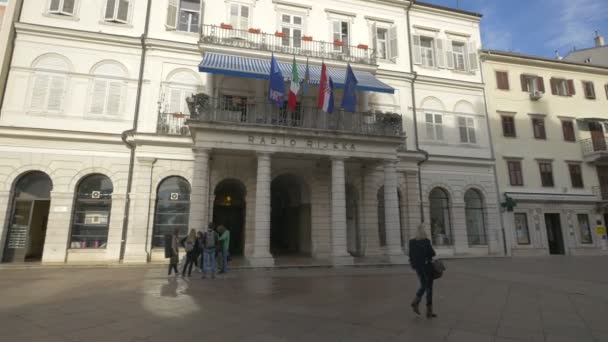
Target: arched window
475, 216
49, 83
108, 89
172, 209
441, 227
91, 215
178, 87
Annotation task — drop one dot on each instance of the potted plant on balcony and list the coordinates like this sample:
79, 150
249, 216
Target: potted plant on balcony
307, 38
198, 103
338, 43
362, 47
280, 34
389, 121
226, 26
255, 30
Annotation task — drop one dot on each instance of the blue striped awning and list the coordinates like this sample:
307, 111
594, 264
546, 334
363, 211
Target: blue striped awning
248, 67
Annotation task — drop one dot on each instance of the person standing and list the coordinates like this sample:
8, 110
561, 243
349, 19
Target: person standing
224, 239
190, 246
421, 260
210, 241
172, 249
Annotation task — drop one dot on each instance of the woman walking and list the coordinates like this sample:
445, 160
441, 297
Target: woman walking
172, 249
191, 246
421, 260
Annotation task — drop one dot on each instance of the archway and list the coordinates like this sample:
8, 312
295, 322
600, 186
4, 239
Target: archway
229, 210
172, 209
441, 225
353, 236
29, 217
475, 217
290, 216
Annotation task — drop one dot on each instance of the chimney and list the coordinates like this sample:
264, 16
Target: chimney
599, 39
557, 55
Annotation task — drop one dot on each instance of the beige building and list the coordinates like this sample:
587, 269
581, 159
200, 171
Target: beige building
548, 122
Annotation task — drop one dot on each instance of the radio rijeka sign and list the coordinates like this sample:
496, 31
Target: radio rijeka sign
318, 144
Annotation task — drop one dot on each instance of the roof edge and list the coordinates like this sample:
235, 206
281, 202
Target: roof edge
490, 52
449, 9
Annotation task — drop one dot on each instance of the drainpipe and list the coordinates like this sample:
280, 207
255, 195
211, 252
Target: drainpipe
502, 220
131, 146
426, 154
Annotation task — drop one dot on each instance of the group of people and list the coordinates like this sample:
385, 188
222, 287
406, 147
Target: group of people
203, 249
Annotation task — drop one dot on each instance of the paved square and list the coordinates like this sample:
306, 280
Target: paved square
534, 299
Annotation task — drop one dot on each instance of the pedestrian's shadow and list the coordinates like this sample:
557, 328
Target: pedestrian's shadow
169, 289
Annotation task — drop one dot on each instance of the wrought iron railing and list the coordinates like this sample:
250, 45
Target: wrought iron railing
594, 145
601, 192
280, 43
262, 113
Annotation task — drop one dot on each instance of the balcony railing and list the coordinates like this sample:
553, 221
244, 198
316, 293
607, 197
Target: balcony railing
280, 43
261, 113
594, 145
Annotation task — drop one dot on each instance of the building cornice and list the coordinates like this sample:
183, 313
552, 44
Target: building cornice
59, 135
445, 11
77, 35
535, 61
422, 79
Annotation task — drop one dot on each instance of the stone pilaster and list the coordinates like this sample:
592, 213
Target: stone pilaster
5, 211
199, 196
261, 249
391, 213
58, 227
339, 251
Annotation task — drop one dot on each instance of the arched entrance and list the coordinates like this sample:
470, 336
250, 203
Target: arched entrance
29, 217
353, 237
290, 216
229, 211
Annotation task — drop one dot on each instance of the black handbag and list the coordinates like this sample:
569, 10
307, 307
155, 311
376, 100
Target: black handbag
438, 268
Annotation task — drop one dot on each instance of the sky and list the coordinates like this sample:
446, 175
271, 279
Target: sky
537, 27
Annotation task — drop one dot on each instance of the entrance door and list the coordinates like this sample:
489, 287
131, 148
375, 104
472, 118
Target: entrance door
554, 234
597, 136
290, 217
229, 211
29, 216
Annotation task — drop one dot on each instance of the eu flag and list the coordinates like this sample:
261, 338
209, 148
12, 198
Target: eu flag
349, 100
276, 85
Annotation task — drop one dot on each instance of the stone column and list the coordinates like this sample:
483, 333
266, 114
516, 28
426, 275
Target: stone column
199, 195
339, 250
391, 213
261, 246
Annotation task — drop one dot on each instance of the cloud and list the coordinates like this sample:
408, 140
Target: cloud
576, 22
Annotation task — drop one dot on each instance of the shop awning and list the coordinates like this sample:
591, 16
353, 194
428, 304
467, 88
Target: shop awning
248, 67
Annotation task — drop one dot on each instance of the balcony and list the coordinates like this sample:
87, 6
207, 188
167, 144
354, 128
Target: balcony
595, 150
264, 114
253, 39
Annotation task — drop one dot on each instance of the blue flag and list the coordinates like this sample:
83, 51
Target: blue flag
306, 81
276, 85
349, 100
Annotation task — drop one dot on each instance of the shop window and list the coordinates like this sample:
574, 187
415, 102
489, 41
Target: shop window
584, 228
172, 209
441, 227
91, 215
521, 229
475, 218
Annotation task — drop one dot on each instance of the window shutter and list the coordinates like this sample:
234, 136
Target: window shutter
122, 14
439, 52
394, 46
56, 93
553, 83
54, 6
110, 7
373, 34
98, 96
449, 54
39, 91
417, 50
472, 50
571, 89
591, 90
234, 15
114, 98
68, 6
540, 84
172, 14
244, 18
524, 83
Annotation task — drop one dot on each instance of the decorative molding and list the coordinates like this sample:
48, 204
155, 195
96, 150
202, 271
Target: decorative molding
426, 28
292, 4
383, 20
338, 12
460, 34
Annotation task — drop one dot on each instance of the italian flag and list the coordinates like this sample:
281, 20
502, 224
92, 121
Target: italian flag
294, 88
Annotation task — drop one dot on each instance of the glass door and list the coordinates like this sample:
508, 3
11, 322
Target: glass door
16, 244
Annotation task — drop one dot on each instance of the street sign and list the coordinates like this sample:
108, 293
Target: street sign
600, 230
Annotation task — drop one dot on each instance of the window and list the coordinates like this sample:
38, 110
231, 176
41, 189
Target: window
172, 209
180, 86
568, 130
63, 7
184, 15
466, 127
538, 126
292, 26
239, 16
475, 218
522, 232
502, 80
340, 33
562, 87
546, 174
441, 227
434, 126
589, 89
459, 55
516, 177
107, 91
508, 126
237, 106
576, 175
382, 43
385, 41
117, 11
427, 52
530, 83
49, 84
584, 228
91, 217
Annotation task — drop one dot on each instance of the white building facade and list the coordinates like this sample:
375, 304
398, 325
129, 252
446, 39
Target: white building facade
118, 127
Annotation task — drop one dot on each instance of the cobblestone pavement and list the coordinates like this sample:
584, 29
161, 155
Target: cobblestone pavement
534, 299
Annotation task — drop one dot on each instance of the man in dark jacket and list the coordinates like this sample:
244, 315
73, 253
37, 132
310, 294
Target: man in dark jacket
421, 259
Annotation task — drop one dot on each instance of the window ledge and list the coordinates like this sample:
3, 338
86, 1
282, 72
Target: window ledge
184, 33
61, 16
115, 23
93, 117
463, 72
44, 113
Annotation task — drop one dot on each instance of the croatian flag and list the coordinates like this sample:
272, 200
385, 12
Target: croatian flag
276, 86
326, 91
